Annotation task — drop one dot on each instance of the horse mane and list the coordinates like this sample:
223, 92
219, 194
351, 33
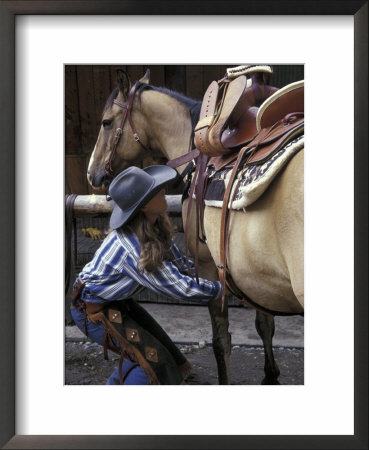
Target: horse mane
192, 105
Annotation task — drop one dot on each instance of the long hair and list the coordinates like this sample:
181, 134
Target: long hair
155, 240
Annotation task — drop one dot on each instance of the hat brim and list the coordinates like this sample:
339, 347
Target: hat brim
162, 175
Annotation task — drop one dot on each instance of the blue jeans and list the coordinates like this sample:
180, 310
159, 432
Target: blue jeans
95, 332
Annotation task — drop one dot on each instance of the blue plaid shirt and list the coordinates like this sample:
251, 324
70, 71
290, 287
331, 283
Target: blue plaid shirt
112, 274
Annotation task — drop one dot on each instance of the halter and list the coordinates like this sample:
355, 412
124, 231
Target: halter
127, 108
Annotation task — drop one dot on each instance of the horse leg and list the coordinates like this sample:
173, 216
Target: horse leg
265, 327
221, 339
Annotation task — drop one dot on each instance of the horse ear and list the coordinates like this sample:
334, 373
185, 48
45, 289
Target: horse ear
123, 82
146, 78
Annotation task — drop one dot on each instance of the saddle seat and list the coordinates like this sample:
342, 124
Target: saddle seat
241, 125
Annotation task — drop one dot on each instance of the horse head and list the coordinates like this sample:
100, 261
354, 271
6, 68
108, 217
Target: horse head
141, 121
118, 145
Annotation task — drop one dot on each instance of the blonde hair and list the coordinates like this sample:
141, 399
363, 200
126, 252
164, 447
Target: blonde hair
155, 240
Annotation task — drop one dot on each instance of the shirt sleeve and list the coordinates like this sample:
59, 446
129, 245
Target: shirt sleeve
180, 260
169, 281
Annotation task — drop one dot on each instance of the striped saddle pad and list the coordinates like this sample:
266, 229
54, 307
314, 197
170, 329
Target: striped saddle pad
253, 180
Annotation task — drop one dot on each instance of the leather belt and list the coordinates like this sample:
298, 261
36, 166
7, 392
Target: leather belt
89, 307
93, 308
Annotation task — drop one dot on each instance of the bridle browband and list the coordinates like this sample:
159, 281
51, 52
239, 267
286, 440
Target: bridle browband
127, 108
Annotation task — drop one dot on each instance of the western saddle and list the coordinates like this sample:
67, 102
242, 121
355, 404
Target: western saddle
243, 121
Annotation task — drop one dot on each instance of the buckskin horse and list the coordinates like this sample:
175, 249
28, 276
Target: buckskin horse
265, 247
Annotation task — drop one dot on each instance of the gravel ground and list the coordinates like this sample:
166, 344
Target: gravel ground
85, 364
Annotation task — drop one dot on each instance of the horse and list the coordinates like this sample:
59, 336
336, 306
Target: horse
265, 243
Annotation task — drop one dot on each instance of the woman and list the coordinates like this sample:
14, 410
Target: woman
139, 253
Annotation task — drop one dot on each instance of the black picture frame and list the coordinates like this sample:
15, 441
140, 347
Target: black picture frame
8, 10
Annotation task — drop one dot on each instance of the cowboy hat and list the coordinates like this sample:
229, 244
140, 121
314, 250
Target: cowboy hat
135, 187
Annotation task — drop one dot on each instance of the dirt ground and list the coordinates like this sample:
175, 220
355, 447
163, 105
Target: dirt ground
85, 364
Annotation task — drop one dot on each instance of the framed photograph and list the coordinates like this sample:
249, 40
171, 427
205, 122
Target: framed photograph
37, 40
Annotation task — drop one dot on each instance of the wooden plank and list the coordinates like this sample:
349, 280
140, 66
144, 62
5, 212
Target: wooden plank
175, 78
213, 72
135, 72
98, 204
92, 204
72, 120
89, 130
75, 174
102, 89
157, 75
194, 82
287, 73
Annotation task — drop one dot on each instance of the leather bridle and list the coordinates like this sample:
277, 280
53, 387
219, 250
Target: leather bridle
127, 109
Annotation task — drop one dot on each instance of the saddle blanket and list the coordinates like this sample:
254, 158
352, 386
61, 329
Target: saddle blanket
252, 181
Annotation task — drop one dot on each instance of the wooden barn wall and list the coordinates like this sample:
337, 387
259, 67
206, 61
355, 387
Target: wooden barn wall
88, 86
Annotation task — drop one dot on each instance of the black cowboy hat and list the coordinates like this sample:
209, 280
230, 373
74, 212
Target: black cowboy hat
135, 187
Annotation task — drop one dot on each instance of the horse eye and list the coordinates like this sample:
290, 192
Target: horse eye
106, 123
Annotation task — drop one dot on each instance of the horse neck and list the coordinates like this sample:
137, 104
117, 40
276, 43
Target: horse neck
170, 125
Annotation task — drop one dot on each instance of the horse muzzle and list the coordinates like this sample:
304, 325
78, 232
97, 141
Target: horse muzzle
99, 179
